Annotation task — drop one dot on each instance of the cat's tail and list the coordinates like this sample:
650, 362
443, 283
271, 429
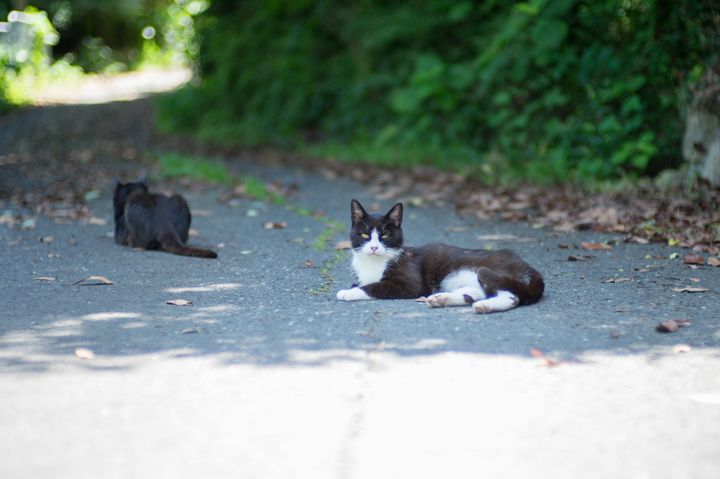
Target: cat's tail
171, 243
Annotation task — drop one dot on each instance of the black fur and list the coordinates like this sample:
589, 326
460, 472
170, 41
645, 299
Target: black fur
153, 220
418, 271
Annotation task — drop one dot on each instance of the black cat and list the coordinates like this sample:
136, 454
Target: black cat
152, 220
447, 275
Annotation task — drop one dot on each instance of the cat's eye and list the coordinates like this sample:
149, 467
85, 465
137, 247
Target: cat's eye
385, 236
364, 236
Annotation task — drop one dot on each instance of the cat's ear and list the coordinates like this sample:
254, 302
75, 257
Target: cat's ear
357, 212
143, 180
395, 214
115, 183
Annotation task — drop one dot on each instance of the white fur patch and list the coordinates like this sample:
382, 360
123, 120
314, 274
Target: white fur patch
460, 279
502, 302
353, 294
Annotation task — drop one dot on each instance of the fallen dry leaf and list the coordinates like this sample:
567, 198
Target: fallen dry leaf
693, 259
421, 299
309, 263
682, 348
44, 278
93, 281
179, 302
84, 353
595, 246
545, 360
192, 232
713, 261
344, 244
577, 257
669, 326
616, 280
190, 331
690, 289
46, 239
274, 225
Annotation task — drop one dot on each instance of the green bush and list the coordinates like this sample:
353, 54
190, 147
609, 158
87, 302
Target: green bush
547, 89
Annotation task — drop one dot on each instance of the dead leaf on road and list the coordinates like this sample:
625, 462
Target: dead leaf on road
545, 360
595, 246
46, 239
84, 353
577, 257
192, 232
93, 281
190, 331
669, 326
275, 225
690, 289
616, 280
693, 259
179, 302
344, 244
713, 261
421, 299
672, 325
309, 263
45, 278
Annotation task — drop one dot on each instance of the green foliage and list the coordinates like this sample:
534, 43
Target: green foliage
174, 165
549, 89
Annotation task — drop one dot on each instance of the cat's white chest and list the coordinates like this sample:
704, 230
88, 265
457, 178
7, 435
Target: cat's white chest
369, 269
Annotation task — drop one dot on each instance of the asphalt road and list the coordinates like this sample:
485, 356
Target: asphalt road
266, 375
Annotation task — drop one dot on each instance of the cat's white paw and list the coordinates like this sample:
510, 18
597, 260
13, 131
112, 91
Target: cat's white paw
503, 301
438, 300
482, 308
353, 294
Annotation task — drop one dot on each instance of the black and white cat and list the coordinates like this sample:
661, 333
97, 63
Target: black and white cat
447, 275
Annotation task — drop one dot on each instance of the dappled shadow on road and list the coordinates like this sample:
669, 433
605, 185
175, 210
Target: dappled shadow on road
327, 331
256, 309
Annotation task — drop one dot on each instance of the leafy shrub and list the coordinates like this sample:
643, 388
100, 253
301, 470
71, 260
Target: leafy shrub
551, 89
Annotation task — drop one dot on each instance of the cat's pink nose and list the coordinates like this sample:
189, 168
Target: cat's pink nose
374, 248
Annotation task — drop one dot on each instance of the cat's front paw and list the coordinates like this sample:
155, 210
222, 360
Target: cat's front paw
438, 300
353, 294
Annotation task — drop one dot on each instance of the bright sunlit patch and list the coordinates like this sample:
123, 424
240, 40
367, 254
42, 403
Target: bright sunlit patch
205, 289
109, 316
220, 308
148, 33
133, 325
